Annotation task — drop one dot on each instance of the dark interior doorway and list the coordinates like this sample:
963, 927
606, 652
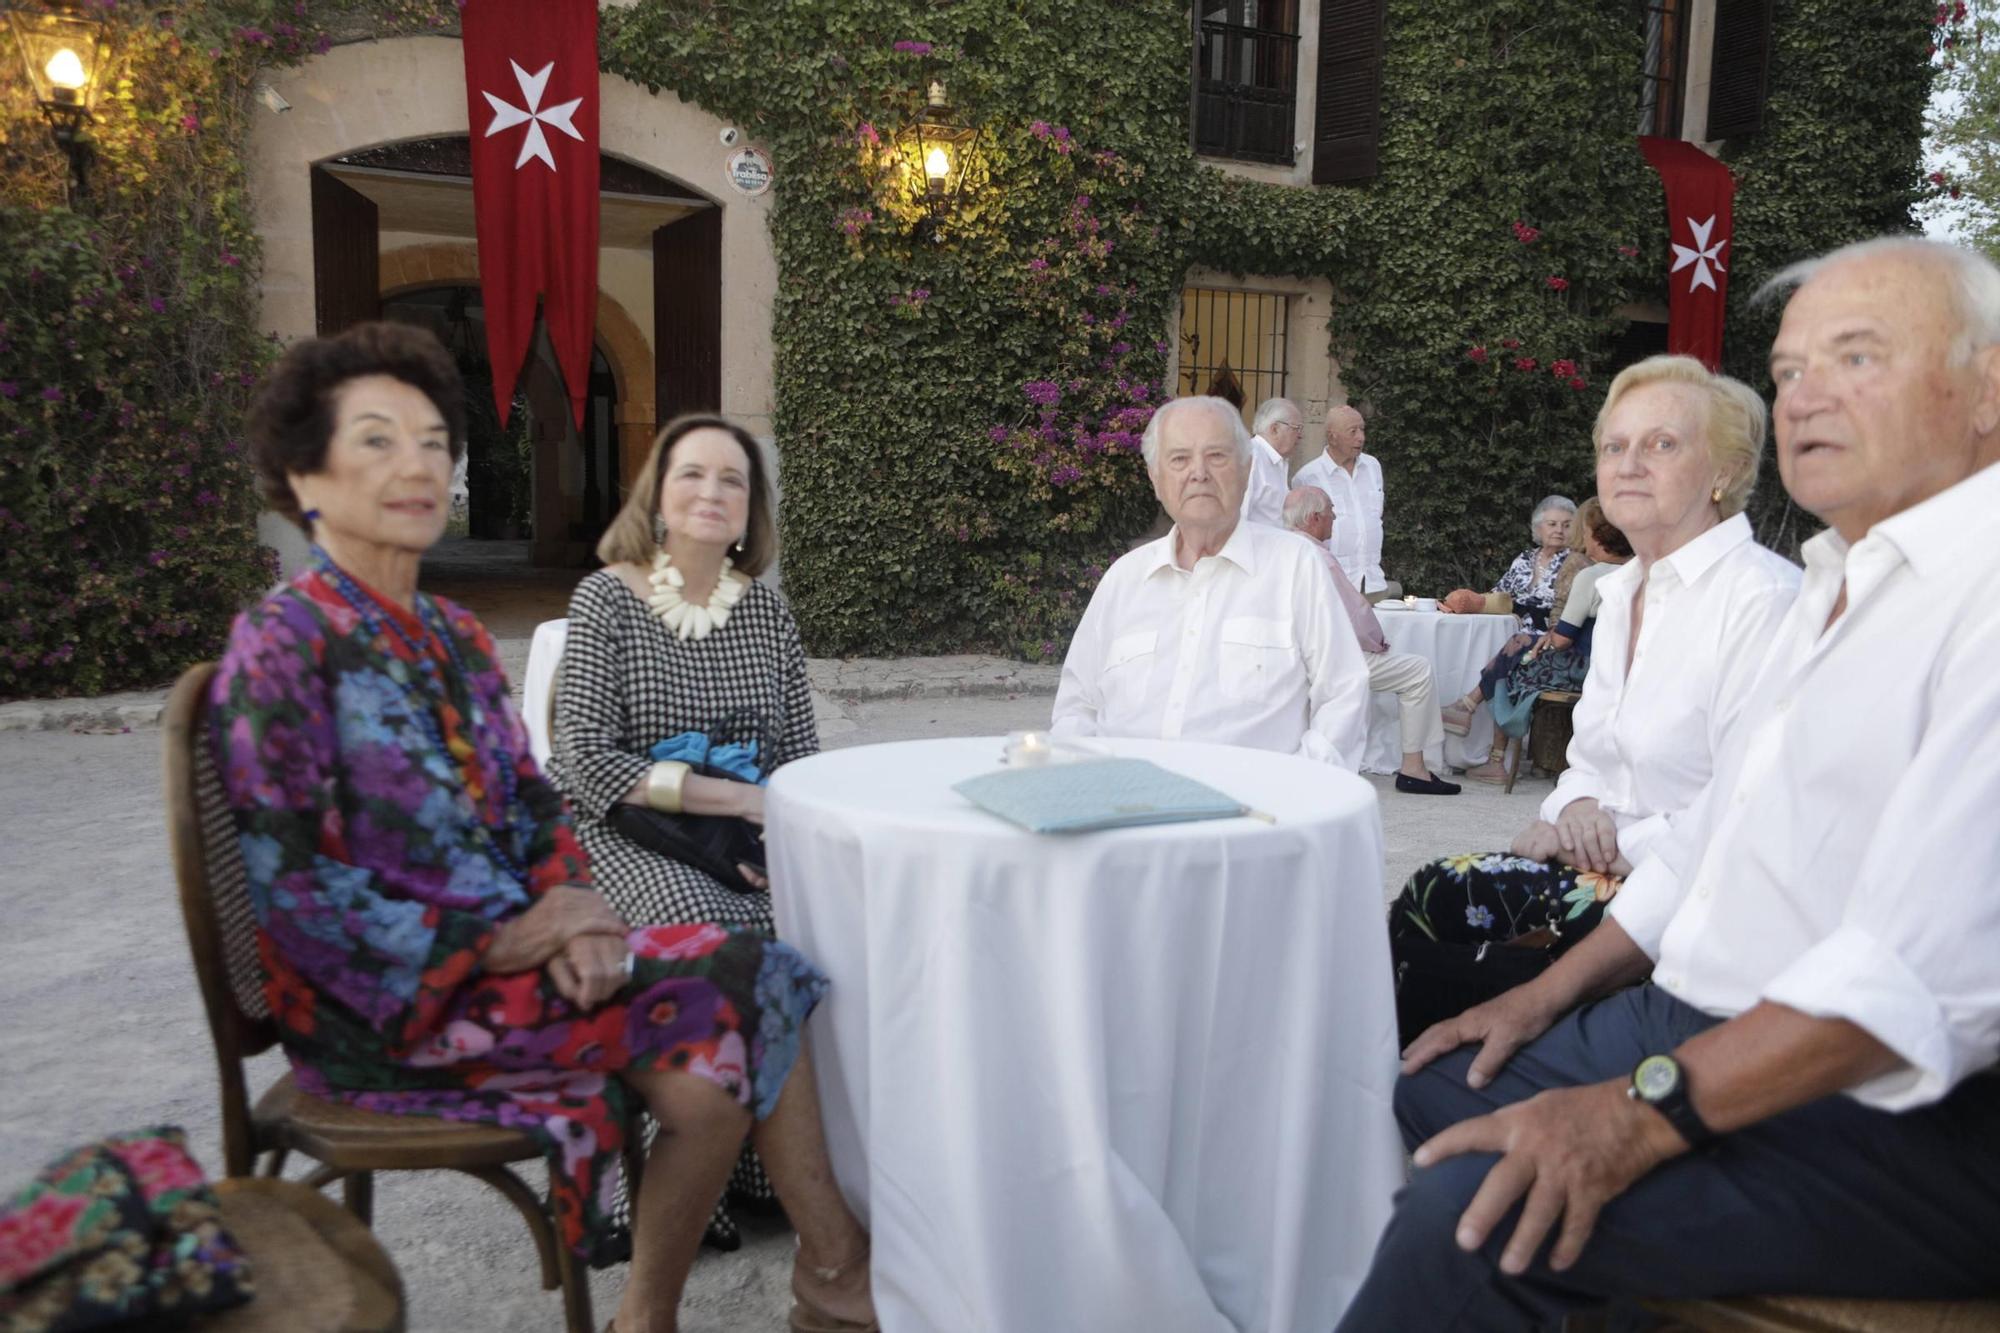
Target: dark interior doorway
527, 480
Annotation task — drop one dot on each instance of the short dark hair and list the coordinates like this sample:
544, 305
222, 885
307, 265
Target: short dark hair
291, 413
629, 539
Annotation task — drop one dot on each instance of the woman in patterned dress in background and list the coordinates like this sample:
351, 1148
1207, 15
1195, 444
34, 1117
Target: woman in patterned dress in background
432, 943
699, 511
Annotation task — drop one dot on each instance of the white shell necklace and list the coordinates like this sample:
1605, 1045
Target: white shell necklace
683, 617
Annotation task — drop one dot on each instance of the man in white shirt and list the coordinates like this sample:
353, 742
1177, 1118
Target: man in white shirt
1353, 481
1278, 427
1824, 1008
1405, 675
1221, 630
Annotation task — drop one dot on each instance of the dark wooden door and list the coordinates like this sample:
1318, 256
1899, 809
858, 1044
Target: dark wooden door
687, 315
347, 267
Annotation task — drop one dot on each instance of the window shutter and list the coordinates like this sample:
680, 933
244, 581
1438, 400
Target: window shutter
1347, 119
1740, 72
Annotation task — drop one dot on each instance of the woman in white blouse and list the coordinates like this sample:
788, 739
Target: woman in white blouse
1681, 631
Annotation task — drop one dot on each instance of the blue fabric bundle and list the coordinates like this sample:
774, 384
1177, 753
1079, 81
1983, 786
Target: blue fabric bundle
693, 747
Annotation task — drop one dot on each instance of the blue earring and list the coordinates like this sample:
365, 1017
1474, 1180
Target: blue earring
311, 516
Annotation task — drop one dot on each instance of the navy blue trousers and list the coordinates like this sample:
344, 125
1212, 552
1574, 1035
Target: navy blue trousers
1831, 1198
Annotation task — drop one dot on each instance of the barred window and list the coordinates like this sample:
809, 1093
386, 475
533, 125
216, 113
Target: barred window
1233, 345
1246, 79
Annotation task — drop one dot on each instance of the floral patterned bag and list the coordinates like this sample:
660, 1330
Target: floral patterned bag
121, 1233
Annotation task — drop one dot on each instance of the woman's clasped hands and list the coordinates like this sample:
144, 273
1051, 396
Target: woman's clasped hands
576, 934
1582, 836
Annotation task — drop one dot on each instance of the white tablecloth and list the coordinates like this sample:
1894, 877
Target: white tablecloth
1132, 1080
1456, 647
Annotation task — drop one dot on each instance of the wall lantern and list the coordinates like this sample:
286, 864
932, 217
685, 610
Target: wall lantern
67, 52
938, 154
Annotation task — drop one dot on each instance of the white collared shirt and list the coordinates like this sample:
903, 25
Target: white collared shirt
1270, 480
1845, 862
1645, 740
1357, 515
1250, 647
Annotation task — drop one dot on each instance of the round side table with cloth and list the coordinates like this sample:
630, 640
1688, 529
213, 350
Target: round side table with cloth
1135, 1079
1456, 647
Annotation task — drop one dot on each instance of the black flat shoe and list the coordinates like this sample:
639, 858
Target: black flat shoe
1434, 786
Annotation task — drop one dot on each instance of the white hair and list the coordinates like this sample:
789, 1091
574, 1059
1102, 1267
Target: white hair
1149, 443
1974, 283
1548, 504
1270, 410
1303, 503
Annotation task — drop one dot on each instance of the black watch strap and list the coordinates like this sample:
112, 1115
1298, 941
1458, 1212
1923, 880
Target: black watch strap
1661, 1083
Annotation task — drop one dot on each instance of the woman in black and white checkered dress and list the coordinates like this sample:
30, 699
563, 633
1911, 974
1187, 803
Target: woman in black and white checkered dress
630, 680
674, 635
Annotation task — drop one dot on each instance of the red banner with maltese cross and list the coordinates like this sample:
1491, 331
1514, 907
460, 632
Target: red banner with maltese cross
1701, 196
531, 91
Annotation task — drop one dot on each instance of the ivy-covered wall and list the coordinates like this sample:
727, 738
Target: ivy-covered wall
957, 421
128, 345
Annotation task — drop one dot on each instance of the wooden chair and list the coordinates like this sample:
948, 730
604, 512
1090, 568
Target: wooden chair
317, 1268
1547, 742
350, 1144
1826, 1314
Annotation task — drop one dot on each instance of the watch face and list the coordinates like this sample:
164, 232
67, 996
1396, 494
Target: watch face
1657, 1076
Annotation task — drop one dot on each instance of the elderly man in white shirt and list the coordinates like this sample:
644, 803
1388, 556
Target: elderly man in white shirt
1824, 1010
1278, 427
1221, 630
1406, 675
1353, 481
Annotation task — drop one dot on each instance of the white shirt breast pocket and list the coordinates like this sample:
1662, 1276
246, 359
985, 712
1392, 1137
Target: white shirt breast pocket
1258, 657
1131, 653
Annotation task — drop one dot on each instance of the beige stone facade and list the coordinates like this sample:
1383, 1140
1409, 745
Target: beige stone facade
370, 94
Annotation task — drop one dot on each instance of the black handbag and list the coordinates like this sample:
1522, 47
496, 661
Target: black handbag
1436, 980
712, 844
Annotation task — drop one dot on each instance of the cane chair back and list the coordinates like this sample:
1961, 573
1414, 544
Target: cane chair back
215, 905
350, 1144
1826, 1314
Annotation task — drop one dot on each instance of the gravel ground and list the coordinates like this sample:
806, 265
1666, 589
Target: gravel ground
104, 1029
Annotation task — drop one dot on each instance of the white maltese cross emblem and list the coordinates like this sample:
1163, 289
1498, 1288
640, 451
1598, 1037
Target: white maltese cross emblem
506, 115
1701, 256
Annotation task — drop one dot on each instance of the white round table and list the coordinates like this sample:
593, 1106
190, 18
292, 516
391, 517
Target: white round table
1456, 647
1134, 1079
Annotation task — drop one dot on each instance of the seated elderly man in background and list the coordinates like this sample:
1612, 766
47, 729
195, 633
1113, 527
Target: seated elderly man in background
1309, 513
1221, 630
1803, 1098
1278, 426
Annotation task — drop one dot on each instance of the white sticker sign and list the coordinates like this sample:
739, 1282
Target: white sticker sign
749, 170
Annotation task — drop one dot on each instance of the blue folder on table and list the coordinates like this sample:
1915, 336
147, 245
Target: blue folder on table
1095, 794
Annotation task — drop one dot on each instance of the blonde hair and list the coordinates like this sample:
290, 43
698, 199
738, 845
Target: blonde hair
1588, 514
630, 541
1736, 420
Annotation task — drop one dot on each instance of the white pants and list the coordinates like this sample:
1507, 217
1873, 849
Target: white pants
1408, 677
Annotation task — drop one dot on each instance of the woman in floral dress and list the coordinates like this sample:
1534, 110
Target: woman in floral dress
1681, 630
432, 943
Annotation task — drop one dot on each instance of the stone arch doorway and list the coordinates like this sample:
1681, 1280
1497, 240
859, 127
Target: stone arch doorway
393, 234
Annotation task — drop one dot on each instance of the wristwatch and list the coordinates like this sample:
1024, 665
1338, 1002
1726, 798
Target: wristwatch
1661, 1083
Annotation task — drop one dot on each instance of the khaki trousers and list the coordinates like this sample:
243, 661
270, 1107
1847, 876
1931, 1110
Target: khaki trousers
1408, 677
